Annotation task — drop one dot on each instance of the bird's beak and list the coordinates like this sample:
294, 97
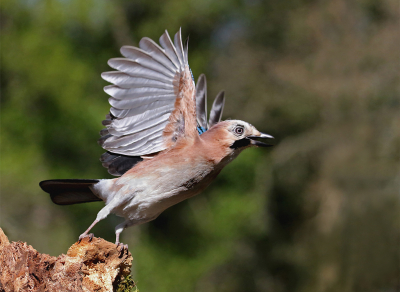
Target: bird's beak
259, 143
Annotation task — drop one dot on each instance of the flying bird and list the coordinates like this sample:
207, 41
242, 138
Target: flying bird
159, 142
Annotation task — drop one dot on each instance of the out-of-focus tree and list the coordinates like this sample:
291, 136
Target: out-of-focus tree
318, 212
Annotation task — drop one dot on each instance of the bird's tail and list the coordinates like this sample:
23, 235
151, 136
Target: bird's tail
70, 191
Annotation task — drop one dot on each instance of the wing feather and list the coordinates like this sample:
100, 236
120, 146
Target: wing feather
146, 61
118, 164
142, 117
170, 50
179, 47
122, 164
156, 51
201, 101
152, 100
135, 69
162, 64
132, 103
142, 146
124, 80
135, 92
217, 109
140, 127
124, 113
144, 136
185, 51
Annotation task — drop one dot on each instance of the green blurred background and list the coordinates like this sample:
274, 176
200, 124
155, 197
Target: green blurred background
318, 212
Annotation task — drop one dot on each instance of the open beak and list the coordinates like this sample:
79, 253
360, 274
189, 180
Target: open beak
259, 143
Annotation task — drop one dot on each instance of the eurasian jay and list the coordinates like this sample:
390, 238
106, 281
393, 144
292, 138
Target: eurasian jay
157, 137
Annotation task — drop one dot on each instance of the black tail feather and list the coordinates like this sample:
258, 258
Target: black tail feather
70, 191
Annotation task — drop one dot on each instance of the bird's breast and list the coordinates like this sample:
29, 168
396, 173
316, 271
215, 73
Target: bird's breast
169, 178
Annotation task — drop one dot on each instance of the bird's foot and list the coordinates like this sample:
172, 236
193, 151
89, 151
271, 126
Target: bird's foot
122, 247
83, 235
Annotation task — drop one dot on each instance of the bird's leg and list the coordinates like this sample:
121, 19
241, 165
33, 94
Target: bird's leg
85, 234
103, 213
119, 228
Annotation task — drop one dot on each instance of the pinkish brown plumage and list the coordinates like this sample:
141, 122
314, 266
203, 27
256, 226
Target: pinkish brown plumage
152, 137
184, 113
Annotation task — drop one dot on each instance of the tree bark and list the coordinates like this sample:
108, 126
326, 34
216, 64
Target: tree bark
91, 265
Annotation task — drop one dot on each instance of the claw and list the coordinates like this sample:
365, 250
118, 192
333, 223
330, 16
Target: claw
122, 247
82, 236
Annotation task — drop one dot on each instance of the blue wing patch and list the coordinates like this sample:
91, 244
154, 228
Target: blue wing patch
201, 130
191, 74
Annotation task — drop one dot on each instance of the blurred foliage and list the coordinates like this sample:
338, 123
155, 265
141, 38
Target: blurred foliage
318, 212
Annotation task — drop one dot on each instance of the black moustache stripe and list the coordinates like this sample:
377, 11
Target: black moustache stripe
240, 143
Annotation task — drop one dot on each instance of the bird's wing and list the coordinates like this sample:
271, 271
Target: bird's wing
152, 100
201, 106
217, 109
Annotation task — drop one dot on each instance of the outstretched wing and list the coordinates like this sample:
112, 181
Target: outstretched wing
152, 102
201, 106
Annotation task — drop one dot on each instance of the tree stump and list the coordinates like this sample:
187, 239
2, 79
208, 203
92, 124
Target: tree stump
91, 265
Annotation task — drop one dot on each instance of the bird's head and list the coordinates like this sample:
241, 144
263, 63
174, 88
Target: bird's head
236, 135
243, 135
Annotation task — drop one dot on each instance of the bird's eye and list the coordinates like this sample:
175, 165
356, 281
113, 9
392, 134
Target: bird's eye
239, 130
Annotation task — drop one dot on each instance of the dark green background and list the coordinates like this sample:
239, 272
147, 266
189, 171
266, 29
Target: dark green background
317, 212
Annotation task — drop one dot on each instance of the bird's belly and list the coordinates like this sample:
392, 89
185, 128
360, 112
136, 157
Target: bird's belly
153, 194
